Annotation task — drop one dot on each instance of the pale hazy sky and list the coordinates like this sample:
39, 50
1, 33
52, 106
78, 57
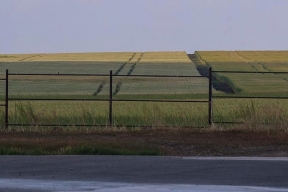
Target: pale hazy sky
45, 26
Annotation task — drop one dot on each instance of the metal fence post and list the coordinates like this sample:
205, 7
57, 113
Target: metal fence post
210, 110
6, 101
110, 100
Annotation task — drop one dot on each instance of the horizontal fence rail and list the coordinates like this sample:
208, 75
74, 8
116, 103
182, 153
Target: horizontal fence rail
130, 100
102, 75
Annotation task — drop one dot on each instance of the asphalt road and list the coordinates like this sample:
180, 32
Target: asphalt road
48, 172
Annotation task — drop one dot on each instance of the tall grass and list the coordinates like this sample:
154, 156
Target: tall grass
133, 114
57, 113
151, 115
252, 113
2, 117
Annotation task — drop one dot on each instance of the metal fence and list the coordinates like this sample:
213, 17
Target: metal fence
110, 100
211, 96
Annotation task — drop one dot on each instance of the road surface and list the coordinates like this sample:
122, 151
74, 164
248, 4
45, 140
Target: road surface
131, 173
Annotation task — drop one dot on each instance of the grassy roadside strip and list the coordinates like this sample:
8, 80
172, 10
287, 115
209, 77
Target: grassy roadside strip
240, 140
59, 142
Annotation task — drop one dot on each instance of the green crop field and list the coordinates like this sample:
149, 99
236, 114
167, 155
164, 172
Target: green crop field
160, 63
97, 87
131, 87
257, 84
261, 61
148, 63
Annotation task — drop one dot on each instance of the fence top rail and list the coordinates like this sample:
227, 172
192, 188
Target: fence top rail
123, 100
271, 72
160, 76
95, 75
115, 75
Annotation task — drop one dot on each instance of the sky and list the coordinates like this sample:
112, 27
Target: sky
57, 26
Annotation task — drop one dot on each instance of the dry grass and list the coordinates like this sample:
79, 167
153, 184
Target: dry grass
16, 57
264, 56
101, 57
96, 113
166, 57
244, 60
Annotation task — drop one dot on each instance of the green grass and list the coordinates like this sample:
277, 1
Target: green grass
97, 113
265, 111
251, 111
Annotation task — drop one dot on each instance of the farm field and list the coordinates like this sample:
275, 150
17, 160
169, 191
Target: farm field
133, 87
154, 63
97, 87
256, 84
144, 128
148, 63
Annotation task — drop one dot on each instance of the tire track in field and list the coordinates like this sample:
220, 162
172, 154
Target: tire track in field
254, 64
27, 58
262, 65
23, 59
123, 65
235, 55
103, 82
134, 65
99, 89
120, 82
2, 64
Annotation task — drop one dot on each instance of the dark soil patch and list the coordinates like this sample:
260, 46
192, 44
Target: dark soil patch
204, 71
